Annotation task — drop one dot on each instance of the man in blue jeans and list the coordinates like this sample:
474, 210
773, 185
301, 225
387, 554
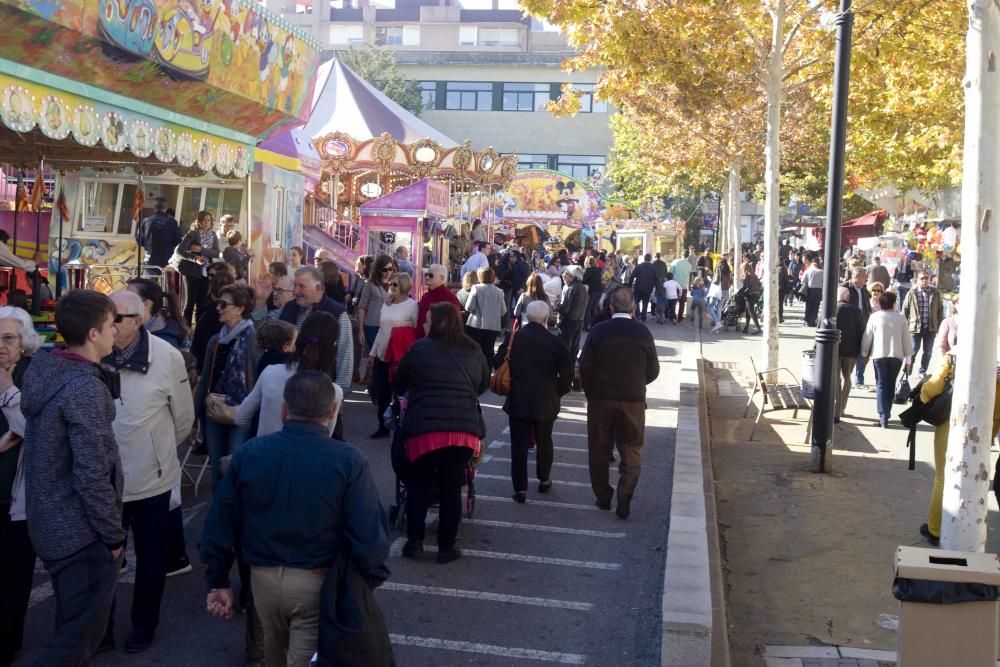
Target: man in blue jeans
924, 312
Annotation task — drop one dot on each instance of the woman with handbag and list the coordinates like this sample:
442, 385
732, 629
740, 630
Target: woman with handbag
443, 376
228, 375
399, 310
887, 342
198, 248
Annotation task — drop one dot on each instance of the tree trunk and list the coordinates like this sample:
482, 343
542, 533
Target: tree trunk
772, 168
722, 237
967, 473
733, 206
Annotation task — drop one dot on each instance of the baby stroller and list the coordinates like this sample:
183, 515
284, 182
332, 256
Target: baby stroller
732, 311
397, 511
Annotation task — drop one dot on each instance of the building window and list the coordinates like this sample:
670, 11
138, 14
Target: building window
468, 35
532, 161
525, 96
407, 35
587, 102
346, 34
467, 96
581, 167
499, 37
428, 93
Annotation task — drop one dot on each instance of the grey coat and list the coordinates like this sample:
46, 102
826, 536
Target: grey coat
73, 471
486, 307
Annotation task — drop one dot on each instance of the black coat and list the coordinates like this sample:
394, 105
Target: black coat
188, 266
852, 327
866, 307
541, 371
644, 278
573, 305
444, 388
592, 279
290, 313
520, 272
159, 235
619, 359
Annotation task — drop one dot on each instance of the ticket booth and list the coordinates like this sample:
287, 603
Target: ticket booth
412, 217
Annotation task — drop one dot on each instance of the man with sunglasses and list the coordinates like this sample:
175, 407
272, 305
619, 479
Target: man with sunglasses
282, 292
435, 277
924, 312
154, 414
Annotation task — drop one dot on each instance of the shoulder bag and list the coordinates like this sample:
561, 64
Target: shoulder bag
500, 380
216, 407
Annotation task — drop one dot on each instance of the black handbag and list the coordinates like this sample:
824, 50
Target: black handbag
938, 410
902, 391
352, 629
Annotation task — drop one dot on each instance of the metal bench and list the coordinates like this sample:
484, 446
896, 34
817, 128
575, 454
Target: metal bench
778, 396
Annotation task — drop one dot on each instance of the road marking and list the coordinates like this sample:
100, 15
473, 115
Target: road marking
499, 444
584, 466
543, 528
485, 595
506, 431
44, 591
396, 551
489, 649
541, 503
582, 485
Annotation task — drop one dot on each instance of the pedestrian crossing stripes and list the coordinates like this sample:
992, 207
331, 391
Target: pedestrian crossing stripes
485, 595
564, 434
582, 466
558, 482
541, 503
499, 444
397, 551
489, 649
544, 528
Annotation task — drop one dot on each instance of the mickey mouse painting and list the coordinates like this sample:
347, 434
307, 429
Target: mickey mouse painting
567, 202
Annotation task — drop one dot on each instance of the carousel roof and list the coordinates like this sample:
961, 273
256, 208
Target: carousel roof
345, 103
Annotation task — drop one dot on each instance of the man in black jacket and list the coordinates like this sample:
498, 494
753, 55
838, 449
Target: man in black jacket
861, 299
851, 323
644, 282
158, 235
541, 370
619, 359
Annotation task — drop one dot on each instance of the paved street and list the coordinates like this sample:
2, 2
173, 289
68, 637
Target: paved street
553, 581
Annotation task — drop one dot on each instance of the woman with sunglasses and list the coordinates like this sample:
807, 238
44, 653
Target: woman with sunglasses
399, 310
374, 294
877, 289
230, 369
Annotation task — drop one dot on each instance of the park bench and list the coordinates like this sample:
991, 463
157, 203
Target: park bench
778, 396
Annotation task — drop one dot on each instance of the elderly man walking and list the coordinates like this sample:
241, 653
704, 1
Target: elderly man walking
924, 312
292, 503
155, 413
541, 371
310, 296
851, 321
860, 298
435, 277
618, 361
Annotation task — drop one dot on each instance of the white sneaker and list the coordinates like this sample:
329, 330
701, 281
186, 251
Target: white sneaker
184, 569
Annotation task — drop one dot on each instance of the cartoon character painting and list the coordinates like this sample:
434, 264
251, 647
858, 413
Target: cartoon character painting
567, 202
128, 24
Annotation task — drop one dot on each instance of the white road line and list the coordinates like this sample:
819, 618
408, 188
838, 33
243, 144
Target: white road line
543, 528
541, 503
558, 482
506, 431
396, 551
499, 444
489, 649
485, 595
44, 591
584, 466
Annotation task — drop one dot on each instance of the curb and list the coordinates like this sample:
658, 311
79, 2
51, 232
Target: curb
692, 578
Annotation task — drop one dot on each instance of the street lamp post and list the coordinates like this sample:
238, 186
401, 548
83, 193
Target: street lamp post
827, 334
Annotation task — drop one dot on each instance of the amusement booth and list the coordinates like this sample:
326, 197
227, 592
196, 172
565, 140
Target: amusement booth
637, 238
412, 217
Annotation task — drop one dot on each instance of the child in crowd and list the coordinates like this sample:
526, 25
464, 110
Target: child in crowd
672, 292
698, 293
275, 340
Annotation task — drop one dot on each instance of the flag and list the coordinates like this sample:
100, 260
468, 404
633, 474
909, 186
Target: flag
61, 206
38, 192
20, 196
137, 203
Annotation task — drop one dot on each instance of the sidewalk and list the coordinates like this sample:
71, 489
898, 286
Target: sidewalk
808, 558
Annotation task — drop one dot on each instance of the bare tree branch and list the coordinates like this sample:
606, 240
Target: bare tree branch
790, 37
758, 46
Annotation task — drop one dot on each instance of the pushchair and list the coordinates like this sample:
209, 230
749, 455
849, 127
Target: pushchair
732, 311
397, 511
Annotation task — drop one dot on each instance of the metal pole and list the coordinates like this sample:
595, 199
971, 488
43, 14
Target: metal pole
827, 334
56, 210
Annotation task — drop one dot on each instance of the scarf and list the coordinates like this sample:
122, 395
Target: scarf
233, 381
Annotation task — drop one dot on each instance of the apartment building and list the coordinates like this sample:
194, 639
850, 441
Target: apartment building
486, 73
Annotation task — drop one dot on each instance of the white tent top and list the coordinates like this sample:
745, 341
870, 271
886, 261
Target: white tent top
344, 102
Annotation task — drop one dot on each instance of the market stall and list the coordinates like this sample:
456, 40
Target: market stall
411, 217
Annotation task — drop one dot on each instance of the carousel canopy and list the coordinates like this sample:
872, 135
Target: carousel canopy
345, 103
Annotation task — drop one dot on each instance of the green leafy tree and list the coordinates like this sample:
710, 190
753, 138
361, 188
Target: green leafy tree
380, 68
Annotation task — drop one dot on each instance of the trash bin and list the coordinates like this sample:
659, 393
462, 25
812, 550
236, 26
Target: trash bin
809, 374
948, 609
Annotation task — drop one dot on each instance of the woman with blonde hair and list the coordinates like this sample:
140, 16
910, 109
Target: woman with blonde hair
534, 290
468, 281
399, 310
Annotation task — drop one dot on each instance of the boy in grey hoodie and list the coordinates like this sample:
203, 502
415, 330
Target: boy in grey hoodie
73, 475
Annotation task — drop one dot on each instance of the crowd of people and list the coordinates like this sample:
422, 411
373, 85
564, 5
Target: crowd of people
255, 382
